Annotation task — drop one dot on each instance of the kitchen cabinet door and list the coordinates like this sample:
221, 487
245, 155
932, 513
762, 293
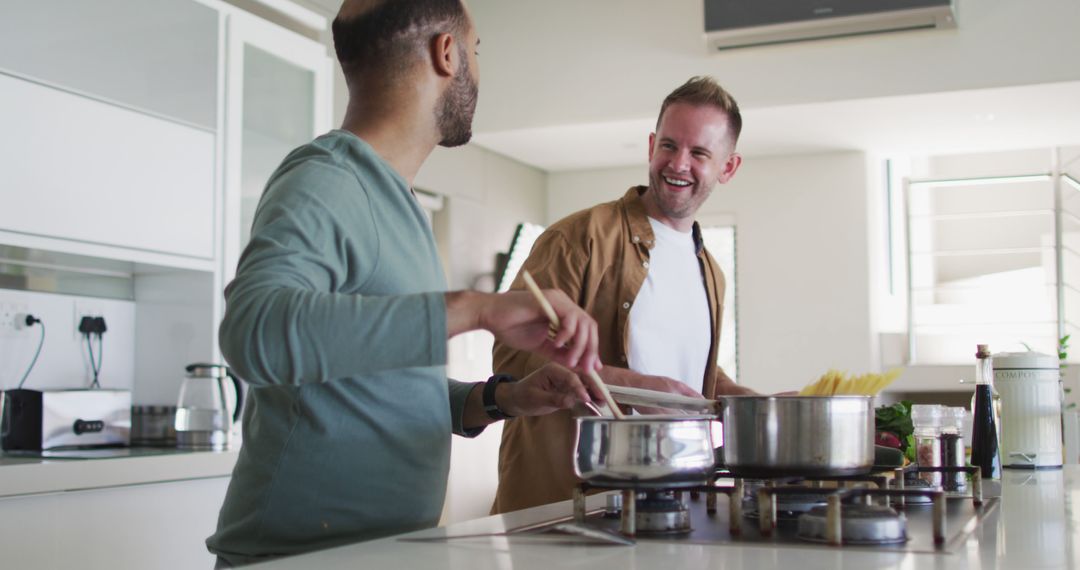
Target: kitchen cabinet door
110, 115
162, 525
78, 168
156, 56
278, 98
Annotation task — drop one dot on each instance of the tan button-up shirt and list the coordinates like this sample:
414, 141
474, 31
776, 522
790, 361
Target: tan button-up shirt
599, 257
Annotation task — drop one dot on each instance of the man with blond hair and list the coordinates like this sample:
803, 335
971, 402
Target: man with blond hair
639, 266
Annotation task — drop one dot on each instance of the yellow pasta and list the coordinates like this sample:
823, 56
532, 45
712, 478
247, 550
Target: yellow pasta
836, 383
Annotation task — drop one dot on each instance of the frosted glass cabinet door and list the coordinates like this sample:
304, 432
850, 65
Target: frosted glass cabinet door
154, 56
279, 98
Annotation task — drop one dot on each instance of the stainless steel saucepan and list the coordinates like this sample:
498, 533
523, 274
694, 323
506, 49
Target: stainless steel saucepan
668, 451
822, 436
764, 436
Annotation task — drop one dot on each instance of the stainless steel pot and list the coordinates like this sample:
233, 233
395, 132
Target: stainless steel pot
669, 451
823, 436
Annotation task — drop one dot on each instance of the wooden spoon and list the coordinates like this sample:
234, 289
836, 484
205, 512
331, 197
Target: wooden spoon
598, 383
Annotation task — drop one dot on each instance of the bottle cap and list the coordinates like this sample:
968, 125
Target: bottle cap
982, 351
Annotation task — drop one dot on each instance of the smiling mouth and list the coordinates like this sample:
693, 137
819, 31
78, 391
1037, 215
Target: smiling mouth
677, 182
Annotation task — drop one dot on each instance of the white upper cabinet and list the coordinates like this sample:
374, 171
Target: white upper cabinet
110, 112
157, 56
78, 169
145, 130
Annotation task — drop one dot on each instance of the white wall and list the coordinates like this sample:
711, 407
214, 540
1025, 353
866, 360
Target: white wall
803, 259
147, 345
64, 361
487, 195
175, 327
474, 463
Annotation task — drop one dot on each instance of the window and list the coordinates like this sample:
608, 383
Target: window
510, 263
993, 255
720, 241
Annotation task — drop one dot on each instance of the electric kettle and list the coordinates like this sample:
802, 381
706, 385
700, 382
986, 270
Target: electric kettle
203, 418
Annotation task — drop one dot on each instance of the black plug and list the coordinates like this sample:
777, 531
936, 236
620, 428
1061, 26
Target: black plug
31, 320
99, 325
86, 325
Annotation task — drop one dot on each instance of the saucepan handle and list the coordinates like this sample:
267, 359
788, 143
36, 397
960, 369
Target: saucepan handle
664, 400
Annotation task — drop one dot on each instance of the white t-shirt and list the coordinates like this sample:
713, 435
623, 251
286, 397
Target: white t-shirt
670, 326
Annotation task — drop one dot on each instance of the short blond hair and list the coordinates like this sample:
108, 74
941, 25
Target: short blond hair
701, 91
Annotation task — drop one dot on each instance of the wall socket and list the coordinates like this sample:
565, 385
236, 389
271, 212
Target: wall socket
8, 311
85, 308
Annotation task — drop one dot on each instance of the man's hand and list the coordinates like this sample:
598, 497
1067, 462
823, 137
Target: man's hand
725, 386
631, 379
548, 389
516, 319
626, 377
736, 390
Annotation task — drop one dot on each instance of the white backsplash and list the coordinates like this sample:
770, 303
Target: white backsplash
64, 361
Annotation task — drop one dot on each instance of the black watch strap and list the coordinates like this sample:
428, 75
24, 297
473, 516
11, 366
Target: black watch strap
490, 406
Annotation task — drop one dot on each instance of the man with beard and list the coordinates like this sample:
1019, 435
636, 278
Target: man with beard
638, 265
338, 316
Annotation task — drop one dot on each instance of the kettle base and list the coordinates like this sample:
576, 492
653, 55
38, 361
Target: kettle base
202, 440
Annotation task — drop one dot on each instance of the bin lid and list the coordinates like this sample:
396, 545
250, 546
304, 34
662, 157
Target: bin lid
1025, 360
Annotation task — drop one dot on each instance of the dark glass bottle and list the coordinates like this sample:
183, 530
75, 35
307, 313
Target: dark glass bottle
984, 438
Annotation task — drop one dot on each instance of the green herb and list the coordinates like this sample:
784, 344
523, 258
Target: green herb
897, 420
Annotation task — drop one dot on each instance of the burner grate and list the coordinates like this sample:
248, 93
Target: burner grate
860, 524
842, 496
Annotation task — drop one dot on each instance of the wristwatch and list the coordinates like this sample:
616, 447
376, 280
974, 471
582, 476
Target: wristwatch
490, 406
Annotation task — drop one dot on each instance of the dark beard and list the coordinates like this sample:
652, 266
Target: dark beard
455, 108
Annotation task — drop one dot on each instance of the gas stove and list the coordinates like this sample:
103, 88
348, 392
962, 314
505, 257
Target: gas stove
890, 510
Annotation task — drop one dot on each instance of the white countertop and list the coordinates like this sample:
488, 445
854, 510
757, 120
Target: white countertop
20, 475
1035, 526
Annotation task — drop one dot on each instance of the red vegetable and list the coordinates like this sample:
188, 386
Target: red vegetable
887, 439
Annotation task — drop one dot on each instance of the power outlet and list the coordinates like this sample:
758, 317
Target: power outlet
8, 311
85, 308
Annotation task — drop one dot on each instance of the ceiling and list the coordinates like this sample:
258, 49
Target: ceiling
572, 85
938, 123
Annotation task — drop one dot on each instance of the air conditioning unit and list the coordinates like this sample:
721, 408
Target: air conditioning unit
744, 23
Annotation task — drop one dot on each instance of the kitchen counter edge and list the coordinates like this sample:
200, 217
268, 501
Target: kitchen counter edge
21, 476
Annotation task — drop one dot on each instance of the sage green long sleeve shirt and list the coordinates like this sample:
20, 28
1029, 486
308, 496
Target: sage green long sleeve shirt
336, 320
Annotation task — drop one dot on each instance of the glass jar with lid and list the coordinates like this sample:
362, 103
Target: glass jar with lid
953, 452
926, 420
